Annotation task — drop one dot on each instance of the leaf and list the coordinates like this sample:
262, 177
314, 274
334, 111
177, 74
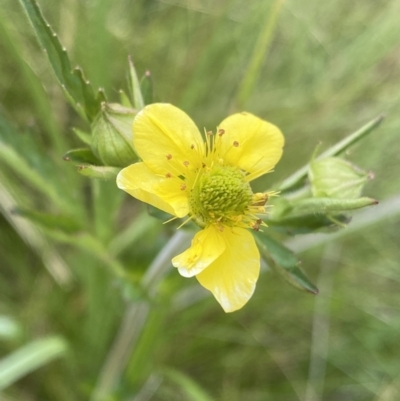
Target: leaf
76, 88
146, 87
29, 358
298, 178
283, 261
103, 172
81, 156
65, 223
134, 87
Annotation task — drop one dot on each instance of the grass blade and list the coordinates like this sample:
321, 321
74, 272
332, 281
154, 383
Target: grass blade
188, 386
259, 53
29, 358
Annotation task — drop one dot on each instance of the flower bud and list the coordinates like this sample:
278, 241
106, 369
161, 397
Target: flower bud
332, 177
112, 140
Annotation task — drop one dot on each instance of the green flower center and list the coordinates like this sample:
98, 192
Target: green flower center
220, 195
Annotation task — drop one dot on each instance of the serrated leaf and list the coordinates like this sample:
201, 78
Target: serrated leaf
76, 88
297, 179
283, 261
146, 87
103, 172
134, 87
81, 156
65, 223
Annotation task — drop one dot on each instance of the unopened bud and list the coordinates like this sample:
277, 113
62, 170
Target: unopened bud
332, 177
112, 140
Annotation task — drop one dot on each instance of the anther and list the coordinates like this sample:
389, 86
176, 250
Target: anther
203, 165
236, 144
209, 133
186, 163
192, 146
169, 157
168, 175
256, 225
221, 132
183, 187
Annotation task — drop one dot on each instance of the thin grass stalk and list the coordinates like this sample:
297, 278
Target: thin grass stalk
51, 259
259, 54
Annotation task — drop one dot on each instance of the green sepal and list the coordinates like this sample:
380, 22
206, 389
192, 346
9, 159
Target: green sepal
124, 99
75, 87
83, 136
146, 87
336, 178
306, 224
283, 261
285, 209
134, 87
112, 138
81, 156
62, 222
102, 172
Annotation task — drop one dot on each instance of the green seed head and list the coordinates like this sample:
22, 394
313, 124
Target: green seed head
220, 195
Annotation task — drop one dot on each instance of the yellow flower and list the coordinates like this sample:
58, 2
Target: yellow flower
208, 180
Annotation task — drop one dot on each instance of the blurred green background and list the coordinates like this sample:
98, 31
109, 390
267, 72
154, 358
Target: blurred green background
71, 328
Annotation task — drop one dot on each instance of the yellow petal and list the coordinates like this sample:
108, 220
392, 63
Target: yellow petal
207, 245
163, 193
250, 143
232, 277
167, 140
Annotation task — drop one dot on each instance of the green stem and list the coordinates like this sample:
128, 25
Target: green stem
301, 174
134, 319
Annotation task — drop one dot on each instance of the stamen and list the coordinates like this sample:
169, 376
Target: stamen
186, 221
169, 157
168, 175
183, 187
221, 132
171, 219
192, 146
186, 163
235, 144
256, 225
